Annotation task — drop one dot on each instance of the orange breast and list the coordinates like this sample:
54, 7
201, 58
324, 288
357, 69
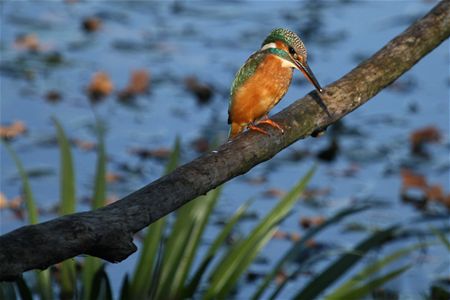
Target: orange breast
261, 92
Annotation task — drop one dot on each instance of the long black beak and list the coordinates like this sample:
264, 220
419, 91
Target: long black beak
304, 68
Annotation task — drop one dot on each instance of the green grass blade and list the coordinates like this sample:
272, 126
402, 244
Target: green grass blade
142, 277
99, 196
30, 203
174, 158
343, 264
213, 249
157, 271
67, 205
103, 290
143, 274
370, 270
300, 245
125, 289
45, 288
236, 261
43, 277
92, 264
441, 236
362, 291
67, 174
183, 242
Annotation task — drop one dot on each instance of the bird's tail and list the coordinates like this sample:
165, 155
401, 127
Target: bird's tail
235, 129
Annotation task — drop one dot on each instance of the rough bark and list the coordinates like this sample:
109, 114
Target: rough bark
108, 232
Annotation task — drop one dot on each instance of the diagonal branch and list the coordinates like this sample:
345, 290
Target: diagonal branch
108, 232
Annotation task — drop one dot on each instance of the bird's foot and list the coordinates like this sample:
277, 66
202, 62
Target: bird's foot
272, 123
253, 127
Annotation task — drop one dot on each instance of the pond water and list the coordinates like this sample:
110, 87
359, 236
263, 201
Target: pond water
210, 40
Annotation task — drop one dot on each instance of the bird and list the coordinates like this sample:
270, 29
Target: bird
264, 79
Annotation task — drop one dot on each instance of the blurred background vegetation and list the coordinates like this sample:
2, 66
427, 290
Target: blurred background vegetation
124, 91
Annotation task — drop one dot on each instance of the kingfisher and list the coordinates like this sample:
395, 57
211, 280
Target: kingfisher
264, 79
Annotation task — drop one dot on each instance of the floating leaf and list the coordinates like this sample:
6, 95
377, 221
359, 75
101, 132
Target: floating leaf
91, 24
100, 86
11, 131
202, 91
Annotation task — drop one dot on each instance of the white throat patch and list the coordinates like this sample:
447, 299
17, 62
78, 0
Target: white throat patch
286, 63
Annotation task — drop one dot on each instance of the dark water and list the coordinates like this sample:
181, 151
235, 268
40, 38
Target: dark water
210, 40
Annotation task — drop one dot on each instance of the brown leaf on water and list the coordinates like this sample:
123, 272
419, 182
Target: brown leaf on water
280, 235
91, 24
202, 91
28, 41
84, 145
139, 84
274, 193
295, 237
427, 192
256, 180
412, 180
420, 137
307, 222
311, 243
53, 96
100, 86
316, 192
159, 153
3, 201
281, 277
15, 203
435, 192
11, 131
113, 177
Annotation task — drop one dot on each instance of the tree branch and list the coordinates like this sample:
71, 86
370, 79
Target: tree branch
108, 232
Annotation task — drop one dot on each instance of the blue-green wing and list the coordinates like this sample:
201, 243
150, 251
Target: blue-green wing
244, 73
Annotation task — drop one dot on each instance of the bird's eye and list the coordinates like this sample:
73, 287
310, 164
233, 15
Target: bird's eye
291, 51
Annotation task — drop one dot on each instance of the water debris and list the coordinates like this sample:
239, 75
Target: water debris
143, 153
91, 24
12, 131
15, 205
29, 42
3, 201
420, 137
53, 96
289, 236
416, 190
308, 222
84, 145
202, 91
256, 180
100, 86
112, 177
330, 152
274, 193
139, 84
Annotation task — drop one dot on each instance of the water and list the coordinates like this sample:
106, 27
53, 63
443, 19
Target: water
173, 40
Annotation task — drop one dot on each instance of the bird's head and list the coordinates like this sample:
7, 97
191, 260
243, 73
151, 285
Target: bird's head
292, 51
